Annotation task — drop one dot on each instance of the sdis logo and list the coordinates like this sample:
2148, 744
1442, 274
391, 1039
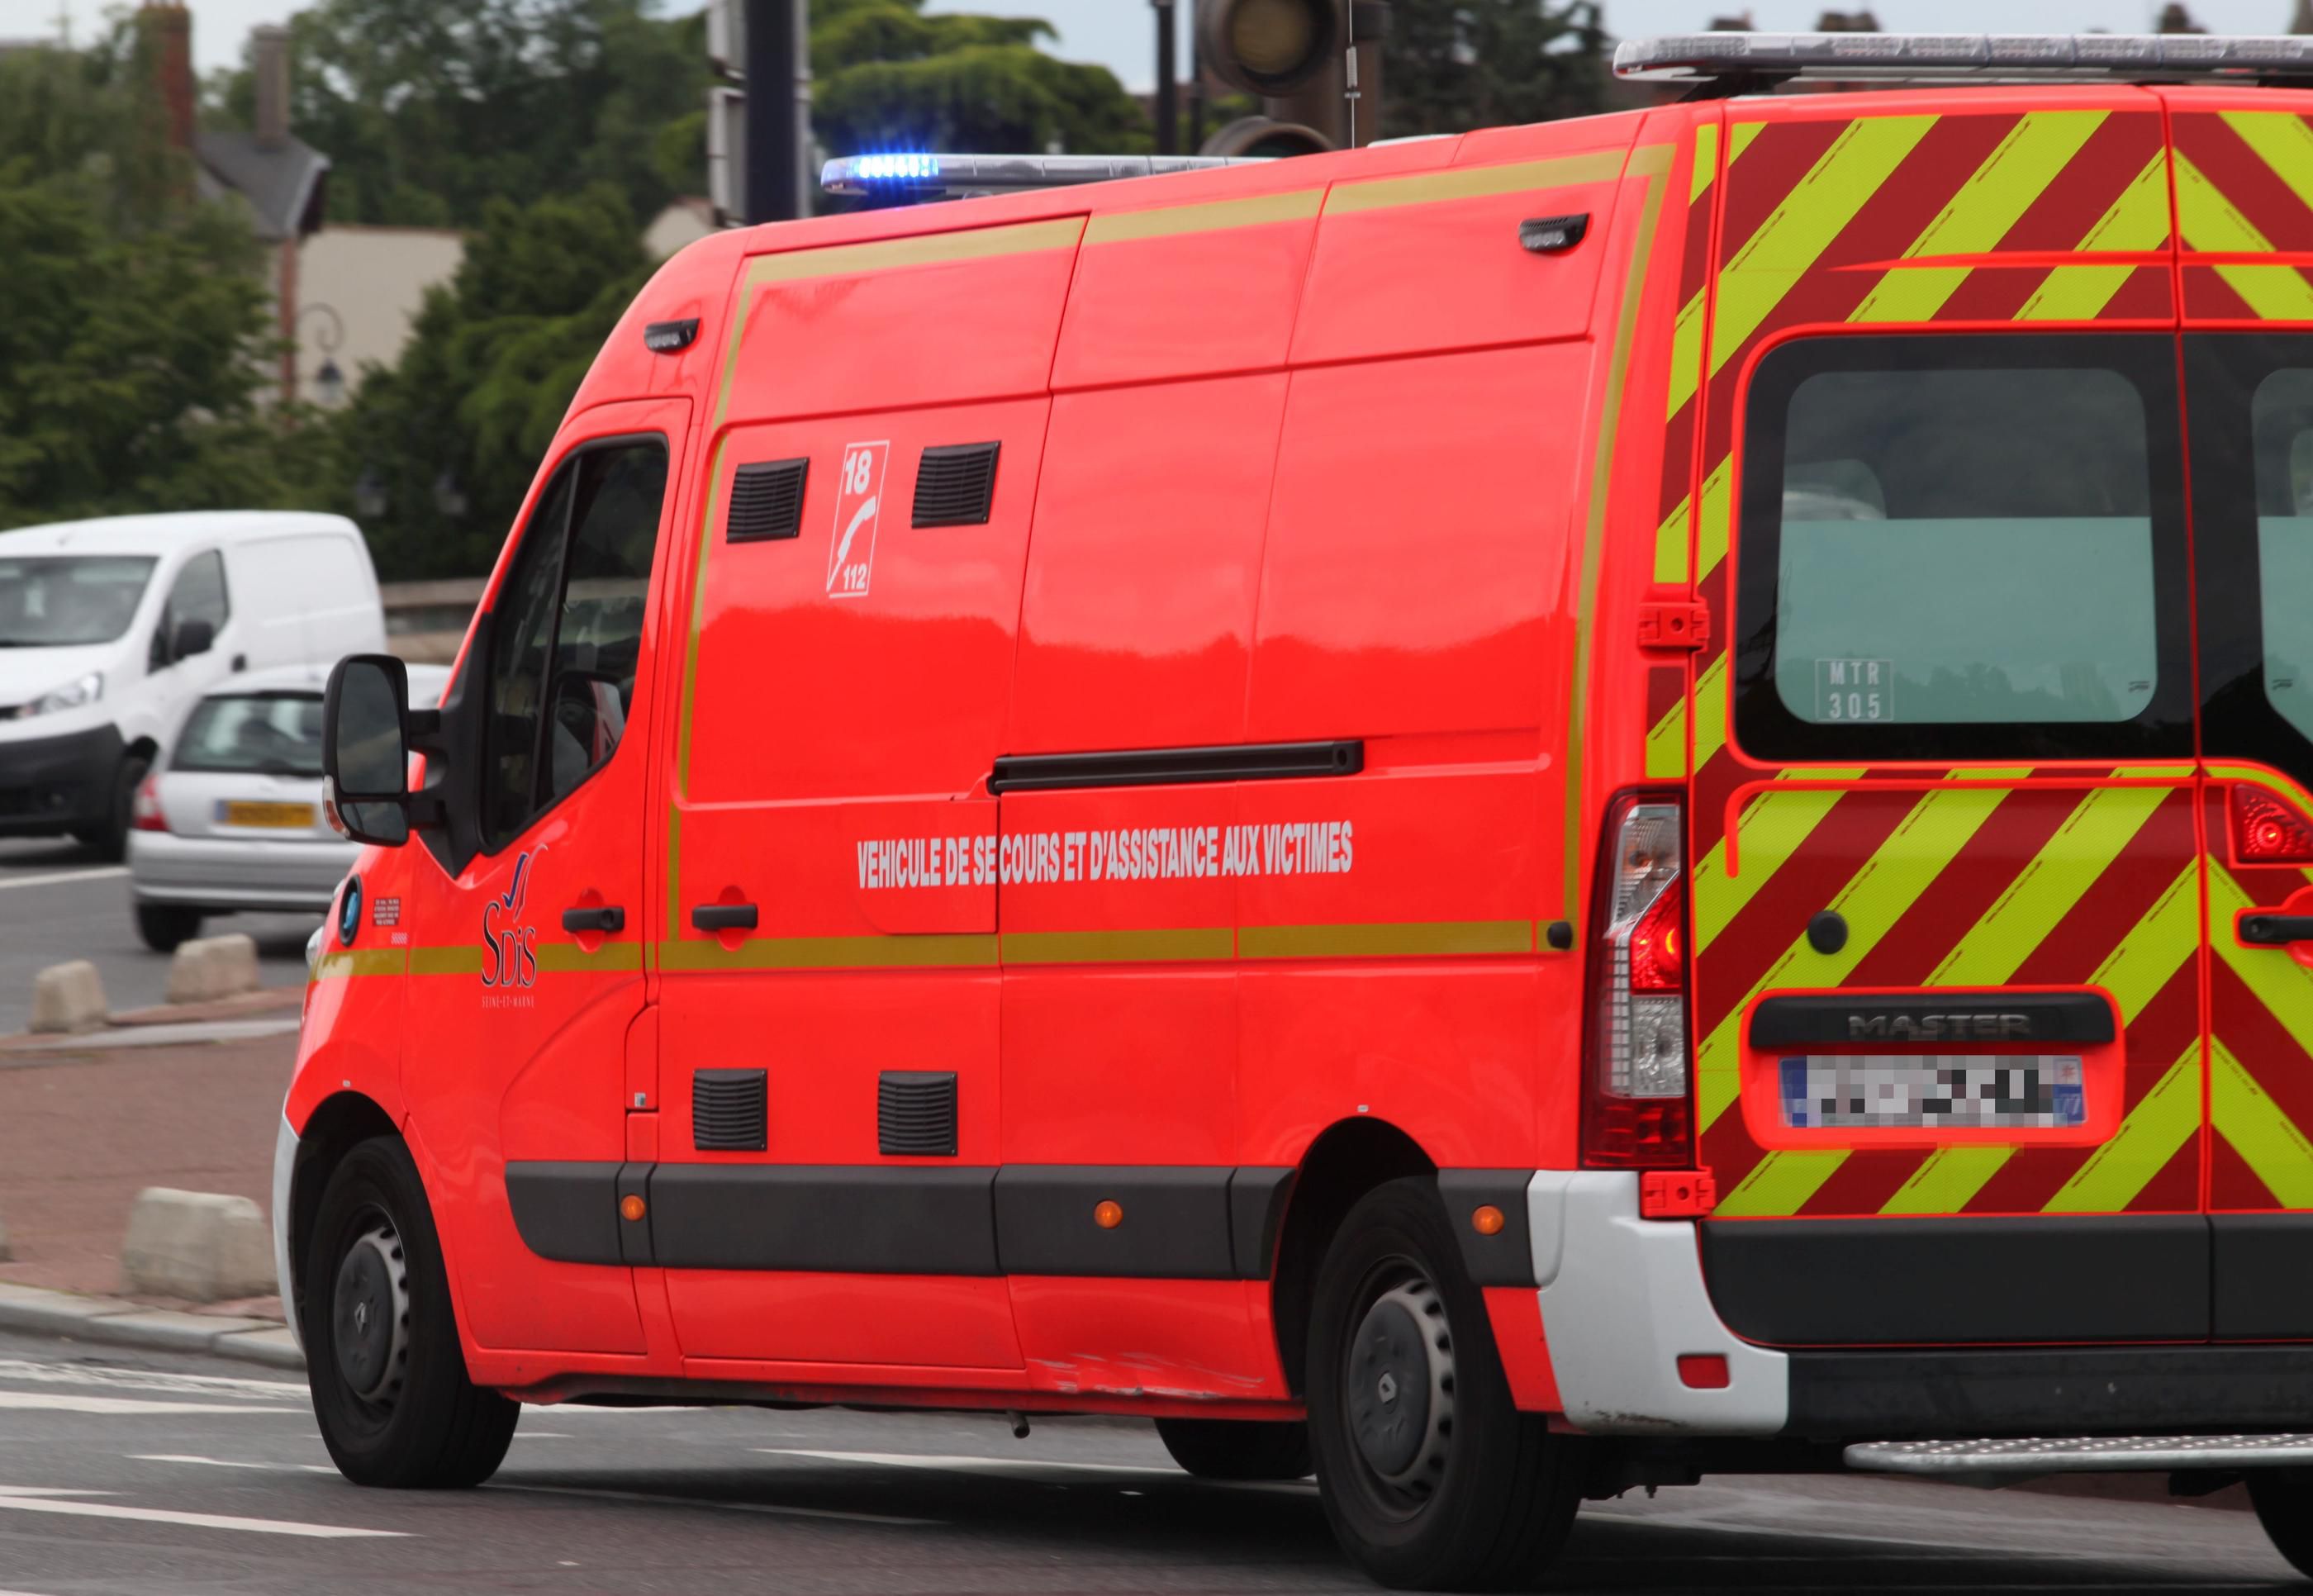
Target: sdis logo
509, 943
859, 506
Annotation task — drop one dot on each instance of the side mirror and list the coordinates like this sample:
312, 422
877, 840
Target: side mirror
365, 748
192, 638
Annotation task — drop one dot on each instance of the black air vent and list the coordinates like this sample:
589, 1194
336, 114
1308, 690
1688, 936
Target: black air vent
766, 501
954, 485
915, 1114
726, 1111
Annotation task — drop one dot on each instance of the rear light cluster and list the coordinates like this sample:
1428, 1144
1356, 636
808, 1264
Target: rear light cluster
144, 813
2268, 831
1637, 1107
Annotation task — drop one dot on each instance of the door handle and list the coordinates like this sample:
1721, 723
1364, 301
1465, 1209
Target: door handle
723, 917
2275, 930
609, 917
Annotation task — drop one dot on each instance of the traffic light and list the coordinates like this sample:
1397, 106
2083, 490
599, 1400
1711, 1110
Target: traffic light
1317, 93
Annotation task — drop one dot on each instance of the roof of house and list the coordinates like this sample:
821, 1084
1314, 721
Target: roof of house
282, 183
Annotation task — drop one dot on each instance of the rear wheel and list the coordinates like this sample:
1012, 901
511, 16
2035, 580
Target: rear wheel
2284, 1498
1238, 1449
388, 1377
1431, 1477
164, 926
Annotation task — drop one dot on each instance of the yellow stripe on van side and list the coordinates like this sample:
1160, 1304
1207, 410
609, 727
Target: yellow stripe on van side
1715, 525
361, 961
1417, 938
452, 959
1773, 259
1217, 215
704, 956
2135, 222
1711, 710
1686, 351
2213, 222
2282, 141
1667, 745
1706, 161
1201, 944
2267, 1140
1974, 221
1649, 164
1670, 545
928, 249
1482, 182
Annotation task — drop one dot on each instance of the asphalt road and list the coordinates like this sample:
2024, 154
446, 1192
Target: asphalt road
125, 1473
59, 902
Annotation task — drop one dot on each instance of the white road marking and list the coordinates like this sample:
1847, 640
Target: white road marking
656, 1500
121, 1407
59, 878
151, 1380
17, 1499
228, 1463
953, 1463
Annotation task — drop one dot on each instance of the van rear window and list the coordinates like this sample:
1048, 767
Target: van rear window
278, 734
1955, 547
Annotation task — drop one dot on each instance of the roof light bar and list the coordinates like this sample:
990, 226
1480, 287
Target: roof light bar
2128, 56
949, 177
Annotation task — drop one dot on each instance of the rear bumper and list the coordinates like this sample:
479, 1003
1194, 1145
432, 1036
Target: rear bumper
57, 784
218, 873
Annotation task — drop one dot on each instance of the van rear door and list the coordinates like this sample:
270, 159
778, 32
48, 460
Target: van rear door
1947, 903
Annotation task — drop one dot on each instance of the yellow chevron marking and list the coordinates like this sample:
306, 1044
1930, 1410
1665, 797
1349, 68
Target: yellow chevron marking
1739, 140
2282, 141
1670, 545
1686, 353
1706, 160
1667, 745
2268, 1140
2136, 221
2170, 1113
1975, 220
2043, 892
1936, 827
1770, 829
2148, 956
2277, 981
2213, 222
1948, 1179
1780, 1182
1711, 710
1773, 259
1716, 524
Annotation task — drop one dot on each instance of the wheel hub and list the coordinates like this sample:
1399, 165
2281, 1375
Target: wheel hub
369, 1315
1400, 1387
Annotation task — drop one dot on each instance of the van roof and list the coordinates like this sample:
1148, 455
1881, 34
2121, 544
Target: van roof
152, 535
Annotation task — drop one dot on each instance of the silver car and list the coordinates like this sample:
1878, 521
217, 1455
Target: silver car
234, 822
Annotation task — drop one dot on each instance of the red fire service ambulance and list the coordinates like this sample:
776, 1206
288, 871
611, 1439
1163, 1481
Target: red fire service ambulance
1501, 816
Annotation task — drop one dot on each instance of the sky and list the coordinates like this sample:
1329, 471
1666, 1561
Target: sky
1121, 33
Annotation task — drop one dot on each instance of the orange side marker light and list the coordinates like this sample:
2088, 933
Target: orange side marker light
1108, 1214
631, 1207
1487, 1220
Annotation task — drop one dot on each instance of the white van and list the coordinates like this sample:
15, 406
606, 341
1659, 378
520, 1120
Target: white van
110, 631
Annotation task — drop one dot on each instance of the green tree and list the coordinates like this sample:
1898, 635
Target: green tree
449, 438
887, 76
1450, 65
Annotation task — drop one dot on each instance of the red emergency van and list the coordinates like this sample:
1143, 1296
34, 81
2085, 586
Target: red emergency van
1506, 816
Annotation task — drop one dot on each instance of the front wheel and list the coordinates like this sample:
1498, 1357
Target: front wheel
381, 1354
1431, 1476
110, 836
1238, 1449
2283, 1499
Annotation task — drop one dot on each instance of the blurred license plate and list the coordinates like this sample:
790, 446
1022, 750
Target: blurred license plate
1933, 1091
274, 816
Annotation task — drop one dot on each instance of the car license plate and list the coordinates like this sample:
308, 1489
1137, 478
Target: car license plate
1974, 1091
269, 816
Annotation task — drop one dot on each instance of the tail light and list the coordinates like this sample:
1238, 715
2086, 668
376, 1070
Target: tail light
1637, 1107
144, 812
2268, 831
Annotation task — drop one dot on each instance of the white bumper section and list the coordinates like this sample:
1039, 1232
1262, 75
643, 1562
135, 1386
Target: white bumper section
1622, 1300
285, 1164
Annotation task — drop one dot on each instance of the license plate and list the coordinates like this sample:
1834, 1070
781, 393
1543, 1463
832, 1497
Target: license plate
1933, 1091
266, 816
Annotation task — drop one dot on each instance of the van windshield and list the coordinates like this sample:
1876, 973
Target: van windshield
276, 732
60, 601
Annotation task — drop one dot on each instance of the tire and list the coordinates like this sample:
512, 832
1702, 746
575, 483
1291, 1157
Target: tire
1445, 1486
109, 837
164, 926
1238, 1449
2283, 1499
389, 1389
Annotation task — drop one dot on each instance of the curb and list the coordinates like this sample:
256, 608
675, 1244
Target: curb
33, 1311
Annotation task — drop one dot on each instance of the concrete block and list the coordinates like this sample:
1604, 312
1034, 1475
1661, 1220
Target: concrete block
69, 998
196, 1244
207, 968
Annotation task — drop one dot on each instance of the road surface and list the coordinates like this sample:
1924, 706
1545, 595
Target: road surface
128, 1474
59, 902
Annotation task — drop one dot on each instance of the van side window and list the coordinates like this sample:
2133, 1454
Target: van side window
2280, 421
568, 631
199, 594
1964, 547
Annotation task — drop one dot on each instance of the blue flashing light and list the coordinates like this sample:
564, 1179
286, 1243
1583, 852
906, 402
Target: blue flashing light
895, 168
